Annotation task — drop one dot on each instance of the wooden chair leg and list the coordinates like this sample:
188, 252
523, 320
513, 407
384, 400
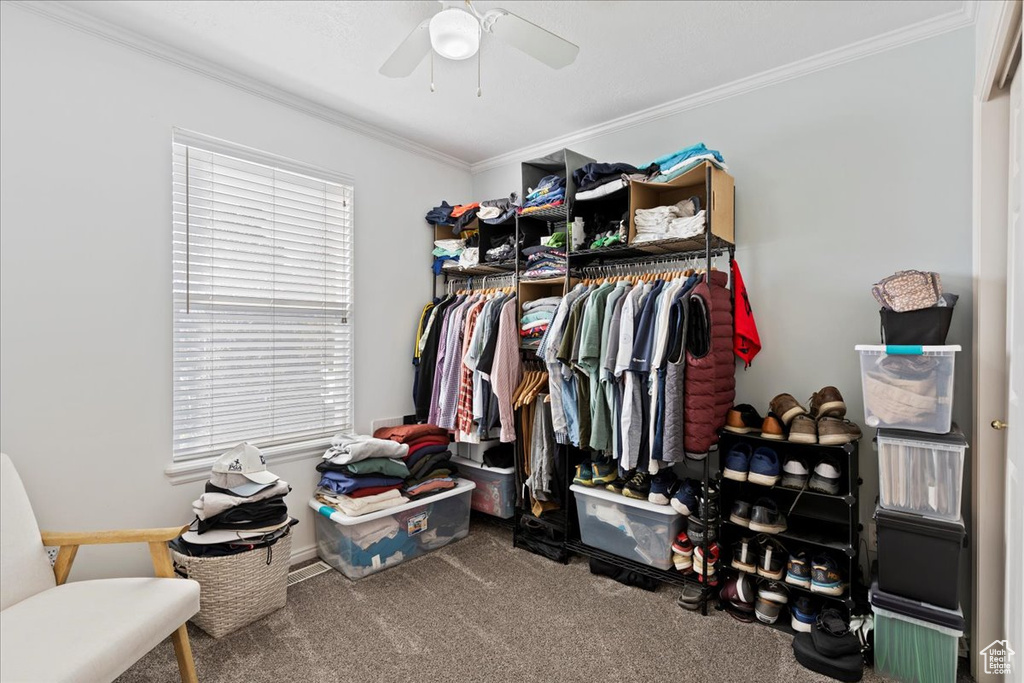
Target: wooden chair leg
183, 651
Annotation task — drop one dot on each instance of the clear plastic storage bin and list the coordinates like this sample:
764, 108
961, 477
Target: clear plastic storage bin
908, 387
364, 545
915, 642
495, 492
634, 529
920, 473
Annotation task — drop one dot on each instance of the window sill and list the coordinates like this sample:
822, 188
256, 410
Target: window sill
199, 469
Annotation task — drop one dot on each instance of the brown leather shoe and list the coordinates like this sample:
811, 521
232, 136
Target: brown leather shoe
833, 431
803, 429
786, 407
742, 419
772, 428
827, 402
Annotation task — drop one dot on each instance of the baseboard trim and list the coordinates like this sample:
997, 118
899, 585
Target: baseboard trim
300, 555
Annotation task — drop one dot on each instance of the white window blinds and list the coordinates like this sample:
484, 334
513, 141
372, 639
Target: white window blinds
262, 302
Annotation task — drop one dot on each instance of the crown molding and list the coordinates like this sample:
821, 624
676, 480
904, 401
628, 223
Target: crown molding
68, 15
907, 35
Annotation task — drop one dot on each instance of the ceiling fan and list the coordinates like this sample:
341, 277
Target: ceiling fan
455, 33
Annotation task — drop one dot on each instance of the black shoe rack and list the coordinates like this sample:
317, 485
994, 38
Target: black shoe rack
816, 522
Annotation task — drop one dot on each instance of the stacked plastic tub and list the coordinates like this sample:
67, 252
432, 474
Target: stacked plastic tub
908, 395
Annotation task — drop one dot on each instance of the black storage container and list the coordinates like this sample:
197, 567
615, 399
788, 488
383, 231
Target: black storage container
919, 558
924, 327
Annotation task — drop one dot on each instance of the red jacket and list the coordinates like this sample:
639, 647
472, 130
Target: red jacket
710, 383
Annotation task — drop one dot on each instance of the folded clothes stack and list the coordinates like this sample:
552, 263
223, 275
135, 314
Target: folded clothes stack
502, 249
597, 180
549, 193
446, 251
428, 460
242, 508
537, 315
679, 221
494, 211
544, 261
441, 214
361, 474
677, 163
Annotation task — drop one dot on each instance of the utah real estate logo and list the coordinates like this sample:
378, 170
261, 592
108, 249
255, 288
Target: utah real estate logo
998, 657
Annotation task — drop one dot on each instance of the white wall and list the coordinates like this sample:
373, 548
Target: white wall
85, 271
842, 177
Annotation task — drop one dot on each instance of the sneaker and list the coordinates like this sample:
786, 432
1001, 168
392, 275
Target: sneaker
827, 402
833, 431
638, 487
691, 597
740, 513
774, 591
771, 558
707, 506
803, 429
805, 614
685, 499
682, 563
742, 419
786, 407
682, 545
768, 607
798, 570
744, 556
794, 472
604, 473
764, 467
698, 559
662, 485
772, 428
737, 462
696, 528
826, 477
584, 474
825, 576
622, 476
765, 517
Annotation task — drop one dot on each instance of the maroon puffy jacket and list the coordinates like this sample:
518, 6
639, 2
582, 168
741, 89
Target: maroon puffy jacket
710, 384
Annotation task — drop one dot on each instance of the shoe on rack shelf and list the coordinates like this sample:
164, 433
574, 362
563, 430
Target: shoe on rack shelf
740, 513
682, 545
685, 499
765, 469
765, 517
825, 576
826, 477
699, 563
663, 484
770, 600
827, 402
682, 563
798, 570
737, 462
744, 556
743, 419
771, 558
617, 484
803, 429
691, 597
794, 473
772, 428
786, 407
696, 528
584, 474
834, 431
638, 487
805, 613
604, 473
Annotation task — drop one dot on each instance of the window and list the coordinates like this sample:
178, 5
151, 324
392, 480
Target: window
262, 300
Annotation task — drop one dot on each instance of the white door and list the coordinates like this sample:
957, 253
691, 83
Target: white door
1014, 614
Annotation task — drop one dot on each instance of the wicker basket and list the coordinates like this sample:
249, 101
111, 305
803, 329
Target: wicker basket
236, 590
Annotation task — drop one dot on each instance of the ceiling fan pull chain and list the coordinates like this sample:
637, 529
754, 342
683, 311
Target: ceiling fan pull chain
431, 71
478, 91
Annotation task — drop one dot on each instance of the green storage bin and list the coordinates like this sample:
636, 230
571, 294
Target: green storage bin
918, 643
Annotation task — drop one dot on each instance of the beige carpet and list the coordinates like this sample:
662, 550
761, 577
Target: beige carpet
479, 610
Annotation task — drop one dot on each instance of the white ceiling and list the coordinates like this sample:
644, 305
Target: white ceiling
633, 55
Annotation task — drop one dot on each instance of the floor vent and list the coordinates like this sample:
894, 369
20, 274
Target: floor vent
307, 572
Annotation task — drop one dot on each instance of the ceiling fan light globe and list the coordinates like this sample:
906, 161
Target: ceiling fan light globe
455, 34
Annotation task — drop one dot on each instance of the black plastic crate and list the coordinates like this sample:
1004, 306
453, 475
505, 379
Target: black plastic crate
919, 557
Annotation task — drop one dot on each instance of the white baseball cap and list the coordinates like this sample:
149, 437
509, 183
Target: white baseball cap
245, 459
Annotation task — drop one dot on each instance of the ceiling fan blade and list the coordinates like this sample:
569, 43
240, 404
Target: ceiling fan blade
407, 56
539, 43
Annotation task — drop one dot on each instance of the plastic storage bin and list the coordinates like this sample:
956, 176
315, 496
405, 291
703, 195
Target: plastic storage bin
364, 545
920, 473
495, 492
908, 387
913, 641
634, 529
919, 558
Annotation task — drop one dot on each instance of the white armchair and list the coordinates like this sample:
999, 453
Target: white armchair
86, 630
